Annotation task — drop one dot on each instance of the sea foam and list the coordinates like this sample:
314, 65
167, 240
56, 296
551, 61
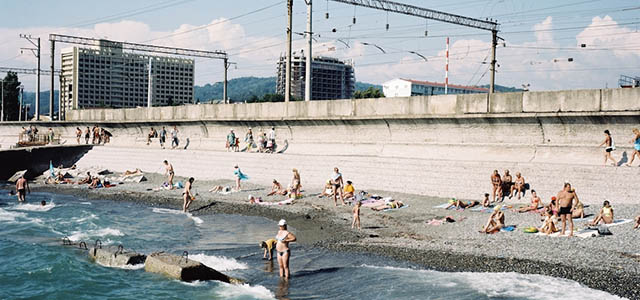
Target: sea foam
218, 262
231, 291
103, 232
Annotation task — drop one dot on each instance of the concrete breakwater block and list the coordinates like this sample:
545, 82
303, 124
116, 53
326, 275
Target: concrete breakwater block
115, 256
184, 269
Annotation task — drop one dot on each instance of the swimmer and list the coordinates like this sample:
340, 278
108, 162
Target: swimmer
43, 203
188, 196
22, 187
169, 172
268, 246
283, 238
578, 211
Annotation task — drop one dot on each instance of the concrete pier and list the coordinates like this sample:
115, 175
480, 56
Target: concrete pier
182, 268
112, 256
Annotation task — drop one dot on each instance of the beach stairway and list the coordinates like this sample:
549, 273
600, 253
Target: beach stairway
464, 179
111, 256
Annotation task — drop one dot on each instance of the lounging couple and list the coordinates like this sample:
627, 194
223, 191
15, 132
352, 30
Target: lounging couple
294, 188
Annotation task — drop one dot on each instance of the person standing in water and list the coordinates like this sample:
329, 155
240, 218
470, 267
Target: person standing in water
284, 237
187, 195
169, 172
22, 186
609, 147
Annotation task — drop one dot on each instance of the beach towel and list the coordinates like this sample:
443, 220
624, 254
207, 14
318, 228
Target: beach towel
283, 202
443, 205
618, 222
508, 228
372, 203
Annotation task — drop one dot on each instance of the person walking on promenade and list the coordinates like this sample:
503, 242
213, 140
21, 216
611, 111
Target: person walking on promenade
87, 134
152, 133
496, 182
78, 134
636, 146
337, 182
163, 137
284, 237
22, 187
231, 141
248, 139
187, 195
169, 173
237, 173
174, 138
271, 140
565, 206
609, 147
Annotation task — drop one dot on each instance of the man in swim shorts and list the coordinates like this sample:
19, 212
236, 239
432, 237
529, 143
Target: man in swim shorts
565, 205
22, 186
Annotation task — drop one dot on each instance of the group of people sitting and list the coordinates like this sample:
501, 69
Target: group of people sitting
506, 186
293, 190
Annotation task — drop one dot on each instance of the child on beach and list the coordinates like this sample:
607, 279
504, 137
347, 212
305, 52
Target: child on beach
268, 247
605, 215
356, 215
485, 201
169, 172
548, 225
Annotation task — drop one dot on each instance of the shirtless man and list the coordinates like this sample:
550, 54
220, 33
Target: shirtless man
496, 182
22, 187
518, 186
536, 202
507, 183
276, 188
565, 205
187, 195
169, 172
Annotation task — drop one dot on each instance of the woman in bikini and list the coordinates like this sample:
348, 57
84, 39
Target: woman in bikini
609, 147
636, 146
284, 237
496, 182
536, 202
605, 216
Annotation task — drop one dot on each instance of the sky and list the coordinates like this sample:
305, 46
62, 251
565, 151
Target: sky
538, 37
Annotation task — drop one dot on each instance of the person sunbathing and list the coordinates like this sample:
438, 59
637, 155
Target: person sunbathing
578, 210
637, 225
495, 222
254, 200
328, 189
548, 225
129, 173
220, 189
276, 188
605, 215
458, 204
87, 180
348, 190
536, 203
61, 180
95, 183
389, 204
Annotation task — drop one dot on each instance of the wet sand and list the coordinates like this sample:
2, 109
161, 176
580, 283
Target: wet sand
608, 263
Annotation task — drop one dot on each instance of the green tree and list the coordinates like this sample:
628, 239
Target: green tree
370, 92
10, 90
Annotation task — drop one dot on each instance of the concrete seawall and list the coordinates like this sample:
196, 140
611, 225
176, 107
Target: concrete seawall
36, 159
460, 136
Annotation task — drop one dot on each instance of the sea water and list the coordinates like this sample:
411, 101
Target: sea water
34, 264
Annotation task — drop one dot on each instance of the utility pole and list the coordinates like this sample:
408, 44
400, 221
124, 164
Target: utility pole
149, 86
60, 92
446, 71
36, 52
21, 100
53, 60
225, 99
307, 73
287, 84
494, 43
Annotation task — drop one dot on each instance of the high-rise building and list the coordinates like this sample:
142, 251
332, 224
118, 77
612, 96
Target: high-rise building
106, 76
331, 78
406, 87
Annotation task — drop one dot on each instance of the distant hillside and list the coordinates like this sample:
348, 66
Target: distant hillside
243, 88
30, 98
502, 89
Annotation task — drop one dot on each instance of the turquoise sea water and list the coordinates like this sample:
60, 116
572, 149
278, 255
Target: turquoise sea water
35, 265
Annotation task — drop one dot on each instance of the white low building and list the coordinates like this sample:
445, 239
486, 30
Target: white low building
400, 87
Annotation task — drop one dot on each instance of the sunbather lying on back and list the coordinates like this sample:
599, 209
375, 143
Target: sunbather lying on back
389, 205
459, 204
220, 189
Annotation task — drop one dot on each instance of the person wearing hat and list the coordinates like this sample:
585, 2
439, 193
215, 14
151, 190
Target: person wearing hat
283, 238
495, 222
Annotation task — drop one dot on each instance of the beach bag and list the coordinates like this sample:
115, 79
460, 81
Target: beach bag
604, 230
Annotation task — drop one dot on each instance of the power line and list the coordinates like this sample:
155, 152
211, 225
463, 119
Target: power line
129, 13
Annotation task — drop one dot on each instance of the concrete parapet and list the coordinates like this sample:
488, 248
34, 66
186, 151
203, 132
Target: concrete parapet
505, 102
627, 99
182, 268
471, 103
112, 256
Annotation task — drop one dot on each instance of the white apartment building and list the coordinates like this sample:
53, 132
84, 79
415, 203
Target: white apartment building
106, 76
406, 87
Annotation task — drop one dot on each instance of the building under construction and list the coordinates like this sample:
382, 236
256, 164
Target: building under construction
106, 76
332, 78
